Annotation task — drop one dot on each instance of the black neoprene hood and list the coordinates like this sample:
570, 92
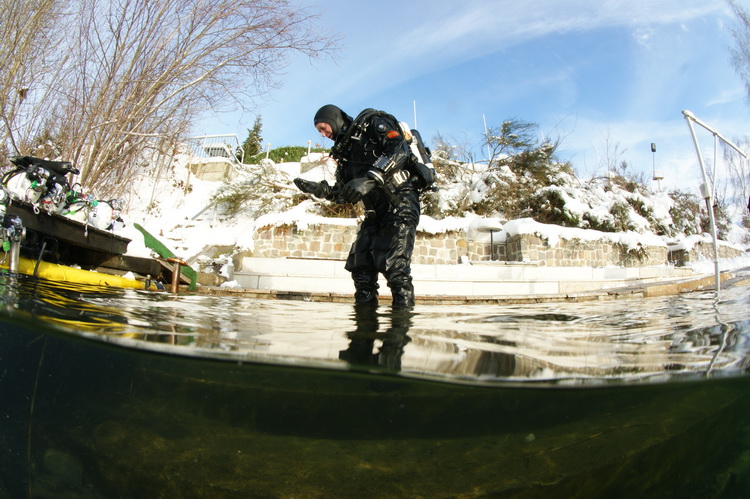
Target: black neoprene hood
334, 116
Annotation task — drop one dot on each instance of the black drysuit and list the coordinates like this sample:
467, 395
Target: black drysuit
376, 165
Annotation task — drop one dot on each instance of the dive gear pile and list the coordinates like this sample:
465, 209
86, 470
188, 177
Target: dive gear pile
44, 185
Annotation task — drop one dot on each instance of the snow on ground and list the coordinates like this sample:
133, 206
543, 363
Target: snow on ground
187, 223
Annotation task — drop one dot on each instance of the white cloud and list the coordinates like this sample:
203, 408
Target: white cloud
385, 50
643, 36
429, 36
472, 28
727, 96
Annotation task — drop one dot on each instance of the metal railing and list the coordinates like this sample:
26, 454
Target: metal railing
707, 190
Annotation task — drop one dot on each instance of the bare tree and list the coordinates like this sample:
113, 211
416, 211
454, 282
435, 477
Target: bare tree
140, 72
28, 71
740, 53
610, 156
739, 172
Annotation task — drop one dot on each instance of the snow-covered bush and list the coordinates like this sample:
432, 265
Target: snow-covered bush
257, 190
533, 184
521, 180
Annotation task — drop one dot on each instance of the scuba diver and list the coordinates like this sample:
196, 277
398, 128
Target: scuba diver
376, 164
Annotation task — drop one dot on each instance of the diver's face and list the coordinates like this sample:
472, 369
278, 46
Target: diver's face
325, 130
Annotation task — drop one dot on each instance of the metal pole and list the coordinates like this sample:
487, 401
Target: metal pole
487, 138
691, 116
706, 192
15, 255
713, 176
653, 160
176, 270
18, 234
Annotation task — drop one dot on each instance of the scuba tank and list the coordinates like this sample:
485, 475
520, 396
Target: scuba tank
103, 214
77, 207
421, 168
25, 186
94, 212
39, 182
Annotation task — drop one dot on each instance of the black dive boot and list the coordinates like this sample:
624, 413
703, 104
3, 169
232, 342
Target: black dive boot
366, 286
403, 297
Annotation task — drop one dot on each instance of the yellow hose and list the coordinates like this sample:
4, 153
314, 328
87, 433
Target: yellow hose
57, 272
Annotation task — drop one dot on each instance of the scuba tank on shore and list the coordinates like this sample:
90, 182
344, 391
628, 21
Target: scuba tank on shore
40, 182
44, 185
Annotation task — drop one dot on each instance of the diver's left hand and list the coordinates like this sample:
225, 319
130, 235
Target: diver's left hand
356, 189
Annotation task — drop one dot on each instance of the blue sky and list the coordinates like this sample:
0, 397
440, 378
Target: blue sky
590, 72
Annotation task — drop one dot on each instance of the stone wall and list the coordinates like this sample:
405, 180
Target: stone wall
333, 242
330, 241
702, 251
315, 241
578, 253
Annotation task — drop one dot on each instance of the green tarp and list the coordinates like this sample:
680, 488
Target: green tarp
151, 242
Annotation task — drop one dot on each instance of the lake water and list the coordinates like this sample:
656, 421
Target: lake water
121, 393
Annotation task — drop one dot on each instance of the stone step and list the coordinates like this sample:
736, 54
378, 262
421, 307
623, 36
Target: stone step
478, 279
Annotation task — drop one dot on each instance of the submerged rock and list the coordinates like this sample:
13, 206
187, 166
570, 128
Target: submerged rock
63, 466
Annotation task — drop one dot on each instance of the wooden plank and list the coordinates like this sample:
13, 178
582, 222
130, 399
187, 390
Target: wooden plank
137, 265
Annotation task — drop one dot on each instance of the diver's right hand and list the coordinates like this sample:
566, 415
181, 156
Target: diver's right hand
317, 189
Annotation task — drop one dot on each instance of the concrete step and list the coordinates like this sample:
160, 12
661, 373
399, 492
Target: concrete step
477, 279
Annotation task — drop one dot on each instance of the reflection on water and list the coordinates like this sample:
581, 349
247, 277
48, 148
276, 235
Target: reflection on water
121, 393
587, 343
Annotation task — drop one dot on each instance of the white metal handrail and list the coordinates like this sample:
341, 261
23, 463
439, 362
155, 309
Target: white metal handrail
708, 192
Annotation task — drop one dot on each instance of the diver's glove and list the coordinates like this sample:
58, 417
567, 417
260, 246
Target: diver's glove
358, 188
317, 189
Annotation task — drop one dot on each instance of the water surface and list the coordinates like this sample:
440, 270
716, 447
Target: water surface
121, 393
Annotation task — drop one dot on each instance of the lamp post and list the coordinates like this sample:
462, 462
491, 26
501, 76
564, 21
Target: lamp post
657, 175
653, 161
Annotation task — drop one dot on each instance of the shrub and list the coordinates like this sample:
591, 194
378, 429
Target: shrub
334, 210
287, 154
746, 224
256, 192
686, 213
431, 205
721, 218
548, 206
620, 212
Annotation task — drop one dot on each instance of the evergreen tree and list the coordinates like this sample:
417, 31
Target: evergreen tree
254, 142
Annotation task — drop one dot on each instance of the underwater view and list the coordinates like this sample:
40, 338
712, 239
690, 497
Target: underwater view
125, 393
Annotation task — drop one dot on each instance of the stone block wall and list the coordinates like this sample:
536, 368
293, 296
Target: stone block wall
445, 248
577, 253
315, 241
333, 242
701, 251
